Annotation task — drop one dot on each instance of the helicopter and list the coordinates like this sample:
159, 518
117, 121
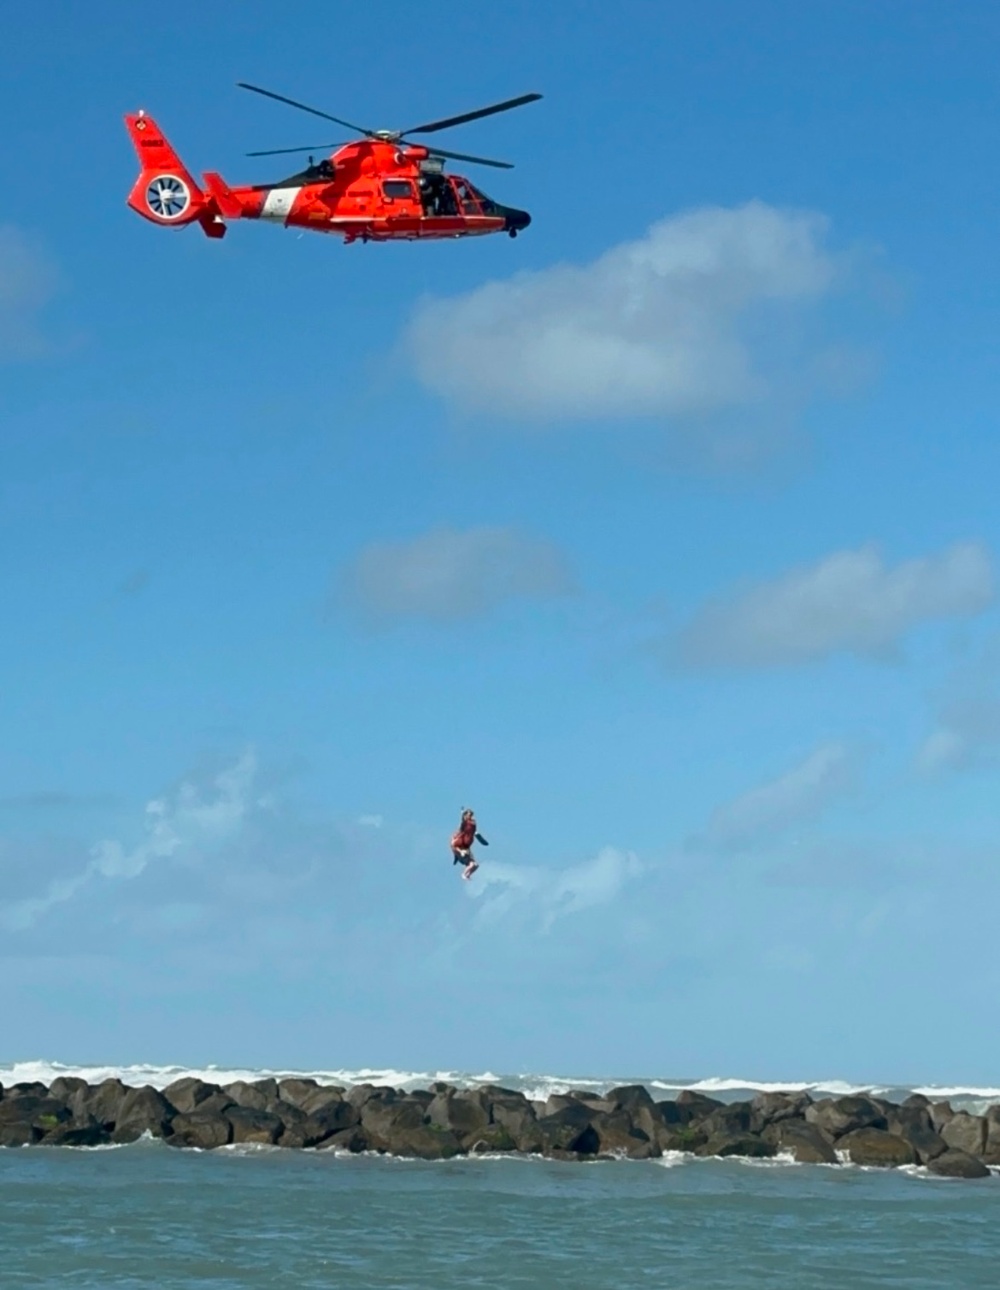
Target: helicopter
379, 187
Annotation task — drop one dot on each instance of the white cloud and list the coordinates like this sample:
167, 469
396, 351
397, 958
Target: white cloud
800, 794
28, 280
554, 893
849, 601
448, 574
189, 820
701, 316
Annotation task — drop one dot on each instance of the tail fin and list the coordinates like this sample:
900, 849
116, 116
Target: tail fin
165, 192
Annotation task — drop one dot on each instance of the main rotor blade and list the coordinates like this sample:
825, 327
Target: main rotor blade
464, 156
447, 122
304, 107
277, 152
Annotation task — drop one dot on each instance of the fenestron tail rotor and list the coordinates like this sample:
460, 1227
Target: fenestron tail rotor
397, 136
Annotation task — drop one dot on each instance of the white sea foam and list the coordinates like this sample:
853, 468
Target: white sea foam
537, 1087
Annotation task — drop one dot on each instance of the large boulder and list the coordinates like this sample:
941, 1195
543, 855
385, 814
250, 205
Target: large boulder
143, 1110
876, 1147
187, 1093
74, 1133
837, 1116
65, 1087
991, 1152
425, 1142
731, 1119
329, 1118
958, 1164
965, 1132
801, 1140
253, 1096
940, 1113
681, 1137
18, 1133
771, 1108
251, 1125
696, 1105
569, 1131
737, 1144
619, 1135
463, 1113
353, 1140
103, 1102
294, 1091
635, 1102
912, 1123
32, 1110
204, 1129
513, 1113
673, 1113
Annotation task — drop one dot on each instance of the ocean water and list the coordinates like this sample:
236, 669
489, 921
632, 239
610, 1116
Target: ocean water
147, 1215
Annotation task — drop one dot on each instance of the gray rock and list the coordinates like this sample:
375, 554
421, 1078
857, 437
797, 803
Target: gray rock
204, 1129
75, 1134
18, 1134
618, 1135
328, 1119
103, 1102
464, 1114
727, 1120
876, 1147
251, 1125
837, 1116
965, 1132
991, 1152
251, 1096
187, 1093
65, 1087
958, 1164
681, 1137
771, 1108
696, 1105
294, 1091
352, 1140
940, 1113
912, 1123
143, 1110
804, 1141
737, 1144
569, 1131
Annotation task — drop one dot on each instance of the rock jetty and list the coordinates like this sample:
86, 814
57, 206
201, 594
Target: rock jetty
445, 1121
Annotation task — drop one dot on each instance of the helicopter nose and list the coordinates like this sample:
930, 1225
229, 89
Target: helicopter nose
515, 220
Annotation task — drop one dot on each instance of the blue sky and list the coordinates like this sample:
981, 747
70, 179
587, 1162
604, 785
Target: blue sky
665, 536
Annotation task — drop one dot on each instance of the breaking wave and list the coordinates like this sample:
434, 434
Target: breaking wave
535, 1086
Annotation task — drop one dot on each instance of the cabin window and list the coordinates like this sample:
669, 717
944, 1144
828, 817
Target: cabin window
397, 188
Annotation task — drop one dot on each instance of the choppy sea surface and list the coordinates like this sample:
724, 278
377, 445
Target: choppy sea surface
146, 1215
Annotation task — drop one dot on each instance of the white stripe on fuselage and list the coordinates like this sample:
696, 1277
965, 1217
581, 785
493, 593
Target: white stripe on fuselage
278, 204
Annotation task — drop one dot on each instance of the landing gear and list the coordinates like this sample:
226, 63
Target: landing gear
512, 232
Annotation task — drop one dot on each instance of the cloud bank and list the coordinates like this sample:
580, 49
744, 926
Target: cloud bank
187, 821
701, 316
555, 893
850, 601
449, 575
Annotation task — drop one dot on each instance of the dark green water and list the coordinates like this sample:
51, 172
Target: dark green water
148, 1216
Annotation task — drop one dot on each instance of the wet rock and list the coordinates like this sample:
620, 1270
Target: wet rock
463, 1113
681, 1137
329, 1118
34, 1108
362, 1093
913, 1124
671, 1113
75, 1134
204, 1129
493, 1138
388, 1119
771, 1108
186, 1094
143, 1110
737, 1144
17, 1133
965, 1132
618, 1135
940, 1113
991, 1151
103, 1101
255, 1096
696, 1105
916, 1100
837, 1116
876, 1147
251, 1125
294, 1091
425, 1142
66, 1087
570, 1130
802, 1140
352, 1140
26, 1088
727, 1120
958, 1164
635, 1102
